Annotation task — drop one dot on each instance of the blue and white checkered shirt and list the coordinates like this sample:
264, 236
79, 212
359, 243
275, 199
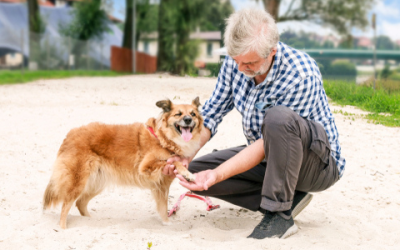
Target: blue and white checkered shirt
294, 81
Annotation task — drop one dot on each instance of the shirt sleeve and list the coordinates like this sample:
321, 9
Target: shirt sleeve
221, 101
302, 97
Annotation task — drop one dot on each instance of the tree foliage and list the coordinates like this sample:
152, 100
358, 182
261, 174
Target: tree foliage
36, 27
146, 20
384, 43
341, 15
177, 19
90, 21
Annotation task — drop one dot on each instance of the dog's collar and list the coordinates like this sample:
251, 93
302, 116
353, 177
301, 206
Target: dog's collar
152, 131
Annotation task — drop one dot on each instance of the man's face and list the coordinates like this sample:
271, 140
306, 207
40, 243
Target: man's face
252, 65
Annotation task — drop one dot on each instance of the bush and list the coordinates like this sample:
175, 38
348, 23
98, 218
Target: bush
386, 72
342, 68
213, 68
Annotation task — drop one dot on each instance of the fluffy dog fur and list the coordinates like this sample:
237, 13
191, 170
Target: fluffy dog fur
93, 156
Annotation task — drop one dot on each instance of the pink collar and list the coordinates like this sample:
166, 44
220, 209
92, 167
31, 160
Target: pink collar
152, 131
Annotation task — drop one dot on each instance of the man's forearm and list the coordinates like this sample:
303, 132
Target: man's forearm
241, 162
204, 138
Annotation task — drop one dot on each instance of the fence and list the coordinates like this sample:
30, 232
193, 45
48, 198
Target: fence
121, 61
34, 51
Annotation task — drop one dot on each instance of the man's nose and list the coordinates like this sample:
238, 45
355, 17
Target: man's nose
242, 67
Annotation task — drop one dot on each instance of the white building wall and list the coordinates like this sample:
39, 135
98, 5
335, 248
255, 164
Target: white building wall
203, 55
14, 59
207, 56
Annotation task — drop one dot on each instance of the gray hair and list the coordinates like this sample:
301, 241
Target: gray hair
250, 30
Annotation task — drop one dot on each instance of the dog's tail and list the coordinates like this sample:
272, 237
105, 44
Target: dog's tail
51, 197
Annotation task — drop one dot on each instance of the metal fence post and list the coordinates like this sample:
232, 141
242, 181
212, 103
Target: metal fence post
68, 53
87, 55
22, 51
47, 53
101, 56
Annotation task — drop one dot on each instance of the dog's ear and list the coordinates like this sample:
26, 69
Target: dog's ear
196, 102
166, 105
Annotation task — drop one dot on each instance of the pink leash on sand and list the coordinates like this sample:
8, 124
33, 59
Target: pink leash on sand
207, 200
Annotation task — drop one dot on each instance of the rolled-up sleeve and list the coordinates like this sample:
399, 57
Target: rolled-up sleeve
221, 101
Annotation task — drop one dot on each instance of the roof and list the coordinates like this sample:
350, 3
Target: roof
203, 35
41, 2
114, 19
206, 35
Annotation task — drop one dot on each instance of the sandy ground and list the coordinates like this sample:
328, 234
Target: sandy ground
360, 212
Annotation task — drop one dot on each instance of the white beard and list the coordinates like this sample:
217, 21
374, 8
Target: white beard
263, 69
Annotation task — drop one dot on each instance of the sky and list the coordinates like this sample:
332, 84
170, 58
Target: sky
387, 15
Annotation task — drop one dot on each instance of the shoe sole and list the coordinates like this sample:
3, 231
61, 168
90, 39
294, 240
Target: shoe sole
292, 230
302, 204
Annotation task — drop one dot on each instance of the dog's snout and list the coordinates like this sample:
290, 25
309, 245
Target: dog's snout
187, 119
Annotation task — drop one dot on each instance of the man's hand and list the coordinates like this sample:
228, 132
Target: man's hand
169, 168
204, 180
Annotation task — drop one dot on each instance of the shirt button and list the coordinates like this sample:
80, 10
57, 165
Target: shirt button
246, 109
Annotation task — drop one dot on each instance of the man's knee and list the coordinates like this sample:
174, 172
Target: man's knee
278, 115
276, 118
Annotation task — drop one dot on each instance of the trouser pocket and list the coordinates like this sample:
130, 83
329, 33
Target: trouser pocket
319, 143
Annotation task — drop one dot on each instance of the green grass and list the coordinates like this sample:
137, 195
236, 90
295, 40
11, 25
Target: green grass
12, 77
384, 105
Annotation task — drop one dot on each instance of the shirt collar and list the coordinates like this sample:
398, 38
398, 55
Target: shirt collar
272, 74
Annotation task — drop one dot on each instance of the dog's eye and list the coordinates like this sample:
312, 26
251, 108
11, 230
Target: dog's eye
193, 114
178, 114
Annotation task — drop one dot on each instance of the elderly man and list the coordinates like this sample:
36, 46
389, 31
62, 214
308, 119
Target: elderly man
293, 145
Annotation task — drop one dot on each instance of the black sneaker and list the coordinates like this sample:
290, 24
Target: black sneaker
274, 225
300, 201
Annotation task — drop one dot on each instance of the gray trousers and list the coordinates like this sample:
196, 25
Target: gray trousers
297, 157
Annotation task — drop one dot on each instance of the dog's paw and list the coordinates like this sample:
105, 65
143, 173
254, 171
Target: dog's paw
167, 223
189, 177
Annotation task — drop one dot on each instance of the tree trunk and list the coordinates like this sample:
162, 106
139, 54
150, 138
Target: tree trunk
127, 39
183, 34
35, 28
272, 7
165, 58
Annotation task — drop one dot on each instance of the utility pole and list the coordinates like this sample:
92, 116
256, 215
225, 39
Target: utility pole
134, 37
374, 27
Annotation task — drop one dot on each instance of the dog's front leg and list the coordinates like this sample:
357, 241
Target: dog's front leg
184, 171
161, 197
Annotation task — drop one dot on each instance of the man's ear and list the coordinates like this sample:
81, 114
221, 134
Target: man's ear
196, 102
166, 105
273, 51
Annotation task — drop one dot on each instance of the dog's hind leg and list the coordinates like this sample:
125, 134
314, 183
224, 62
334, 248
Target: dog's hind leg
82, 203
95, 184
64, 213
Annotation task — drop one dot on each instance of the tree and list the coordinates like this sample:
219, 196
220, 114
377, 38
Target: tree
36, 27
177, 19
341, 15
214, 15
89, 21
166, 40
190, 12
146, 20
384, 42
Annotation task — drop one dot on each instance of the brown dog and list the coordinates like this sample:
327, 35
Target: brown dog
96, 155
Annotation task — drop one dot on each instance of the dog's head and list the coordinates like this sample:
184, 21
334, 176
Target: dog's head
180, 121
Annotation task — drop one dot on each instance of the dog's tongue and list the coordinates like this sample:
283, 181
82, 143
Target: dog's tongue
186, 135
